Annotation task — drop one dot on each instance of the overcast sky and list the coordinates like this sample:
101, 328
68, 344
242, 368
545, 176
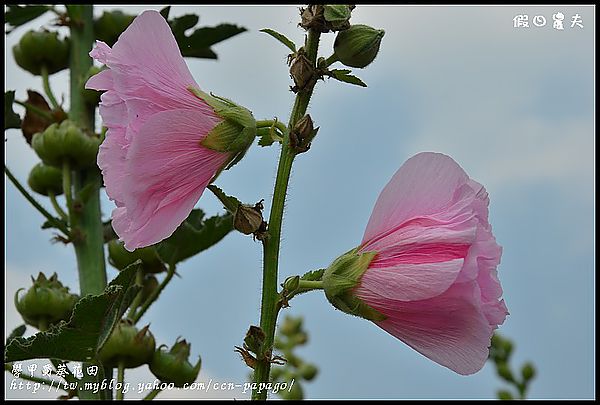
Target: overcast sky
513, 106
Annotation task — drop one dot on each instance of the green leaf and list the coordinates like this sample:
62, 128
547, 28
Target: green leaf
18, 332
343, 76
314, 275
281, 38
265, 137
231, 203
193, 236
165, 12
11, 118
19, 15
336, 12
91, 323
198, 43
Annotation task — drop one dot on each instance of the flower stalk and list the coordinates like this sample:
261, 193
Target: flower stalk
269, 307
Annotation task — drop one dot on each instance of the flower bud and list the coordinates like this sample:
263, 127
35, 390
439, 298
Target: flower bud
42, 48
528, 371
295, 391
308, 371
45, 180
291, 284
46, 303
358, 45
173, 366
326, 17
66, 142
248, 219
504, 371
291, 326
110, 25
120, 258
339, 281
128, 345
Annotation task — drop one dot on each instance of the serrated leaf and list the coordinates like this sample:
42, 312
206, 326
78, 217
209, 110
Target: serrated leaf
336, 12
314, 275
91, 323
198, 43
193, 236
165, 12
11, 118
281, 38
19, 15
231, 203
17, 332
343, 76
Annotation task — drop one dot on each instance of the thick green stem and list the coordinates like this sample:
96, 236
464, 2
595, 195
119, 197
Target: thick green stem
47, 89
269, 307
54, 221
89, 244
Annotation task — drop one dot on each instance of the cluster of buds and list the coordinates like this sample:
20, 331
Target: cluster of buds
289, 336
46, 303
173, 366
326, 17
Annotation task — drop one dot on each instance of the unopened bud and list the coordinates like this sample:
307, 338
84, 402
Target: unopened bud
46, 303
358, 45
173, 366
66, 143
45, 180
120, 258
308, 371
291, 326
528, 371
292, 283
326, 17
504, 371
128, 346
42, 48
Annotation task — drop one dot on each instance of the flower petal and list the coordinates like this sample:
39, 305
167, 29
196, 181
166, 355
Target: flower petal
450, 329
167, 172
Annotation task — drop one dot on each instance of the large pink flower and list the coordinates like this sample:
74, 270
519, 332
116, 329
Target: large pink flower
431, 260
153, 165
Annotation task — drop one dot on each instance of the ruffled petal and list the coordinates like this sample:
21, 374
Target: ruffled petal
167, 171
111, 161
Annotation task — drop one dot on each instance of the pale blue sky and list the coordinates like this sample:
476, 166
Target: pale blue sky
514, 107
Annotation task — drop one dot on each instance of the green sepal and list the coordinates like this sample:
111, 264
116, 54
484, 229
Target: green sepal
339, 281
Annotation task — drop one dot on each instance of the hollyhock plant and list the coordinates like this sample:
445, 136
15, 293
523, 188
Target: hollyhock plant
166, 139
425, 271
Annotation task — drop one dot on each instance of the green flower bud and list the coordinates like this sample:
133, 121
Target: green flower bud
110, 25
46, 303
358, 45
66, 142
128, 345
120, 258
91, 96
173, 366
308, 371
291, 326
528, 371
504, 372
45, 180
339, 281
42, 48
295, 393
504, 395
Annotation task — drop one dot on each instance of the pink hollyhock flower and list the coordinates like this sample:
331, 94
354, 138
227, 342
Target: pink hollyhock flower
425, 271
156, 160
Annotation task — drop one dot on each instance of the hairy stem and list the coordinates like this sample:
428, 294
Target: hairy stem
269, 307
